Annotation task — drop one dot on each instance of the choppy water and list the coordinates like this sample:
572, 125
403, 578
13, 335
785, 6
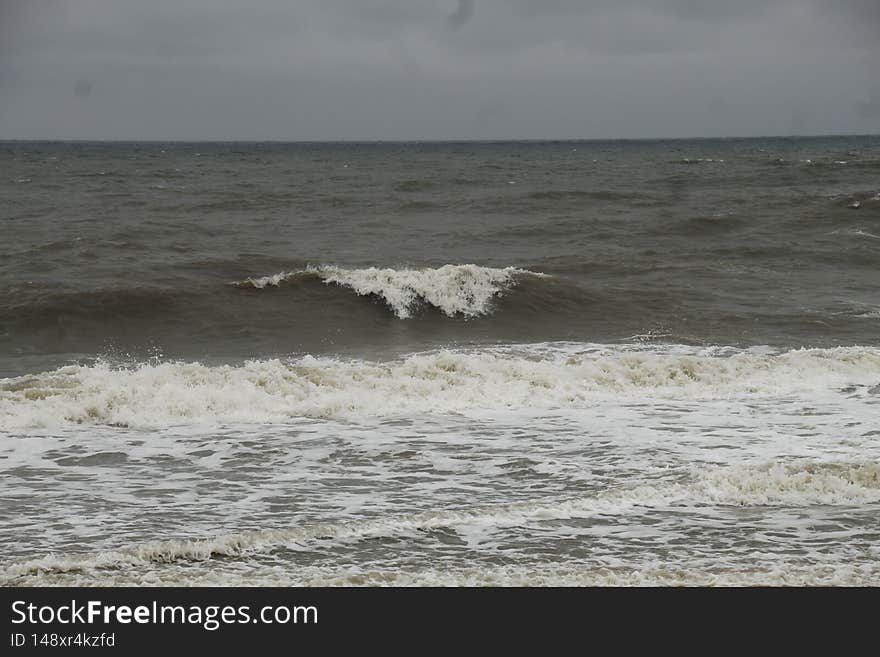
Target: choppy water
481, 363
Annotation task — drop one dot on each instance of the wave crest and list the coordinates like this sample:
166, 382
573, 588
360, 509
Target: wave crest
466, 290
525, 377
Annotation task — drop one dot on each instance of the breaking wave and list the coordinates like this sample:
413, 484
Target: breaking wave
466, 290
548, 376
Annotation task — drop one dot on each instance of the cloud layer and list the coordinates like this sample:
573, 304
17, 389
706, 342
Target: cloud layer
425, 69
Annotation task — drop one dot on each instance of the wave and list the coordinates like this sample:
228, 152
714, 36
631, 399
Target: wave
548, 376
854, 232
53, 301
578, 194
855, 200
701, 225
700, 160
415, 185
466, 290
780, 572
797, 484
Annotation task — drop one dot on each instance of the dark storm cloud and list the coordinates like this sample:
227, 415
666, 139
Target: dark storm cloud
272, 69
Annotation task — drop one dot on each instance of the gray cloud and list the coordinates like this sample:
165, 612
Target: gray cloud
82, 88
461, 15
387, 69
869, 109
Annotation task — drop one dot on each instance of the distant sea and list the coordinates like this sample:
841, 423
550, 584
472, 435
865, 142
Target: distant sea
511, 363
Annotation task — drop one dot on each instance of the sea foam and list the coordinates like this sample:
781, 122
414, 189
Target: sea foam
545, 376
466, 290
792, 484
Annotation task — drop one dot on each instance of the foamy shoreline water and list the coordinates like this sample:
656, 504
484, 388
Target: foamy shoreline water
773, 485
582, 452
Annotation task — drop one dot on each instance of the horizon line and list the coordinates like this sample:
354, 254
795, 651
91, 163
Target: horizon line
424, 141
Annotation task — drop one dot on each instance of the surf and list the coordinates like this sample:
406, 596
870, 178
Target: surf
540, 376
791, 485
456, 290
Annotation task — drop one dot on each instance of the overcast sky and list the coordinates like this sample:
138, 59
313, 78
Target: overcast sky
437, 69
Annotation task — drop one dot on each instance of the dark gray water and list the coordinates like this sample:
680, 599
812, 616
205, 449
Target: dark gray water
122, 248
519, 362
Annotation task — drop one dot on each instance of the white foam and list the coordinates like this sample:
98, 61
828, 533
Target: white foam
803, 484
791, 484
871, 313
778, 573
466, 290
275, 280
501, 379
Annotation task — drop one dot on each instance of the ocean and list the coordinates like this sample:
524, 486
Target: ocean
512, 363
